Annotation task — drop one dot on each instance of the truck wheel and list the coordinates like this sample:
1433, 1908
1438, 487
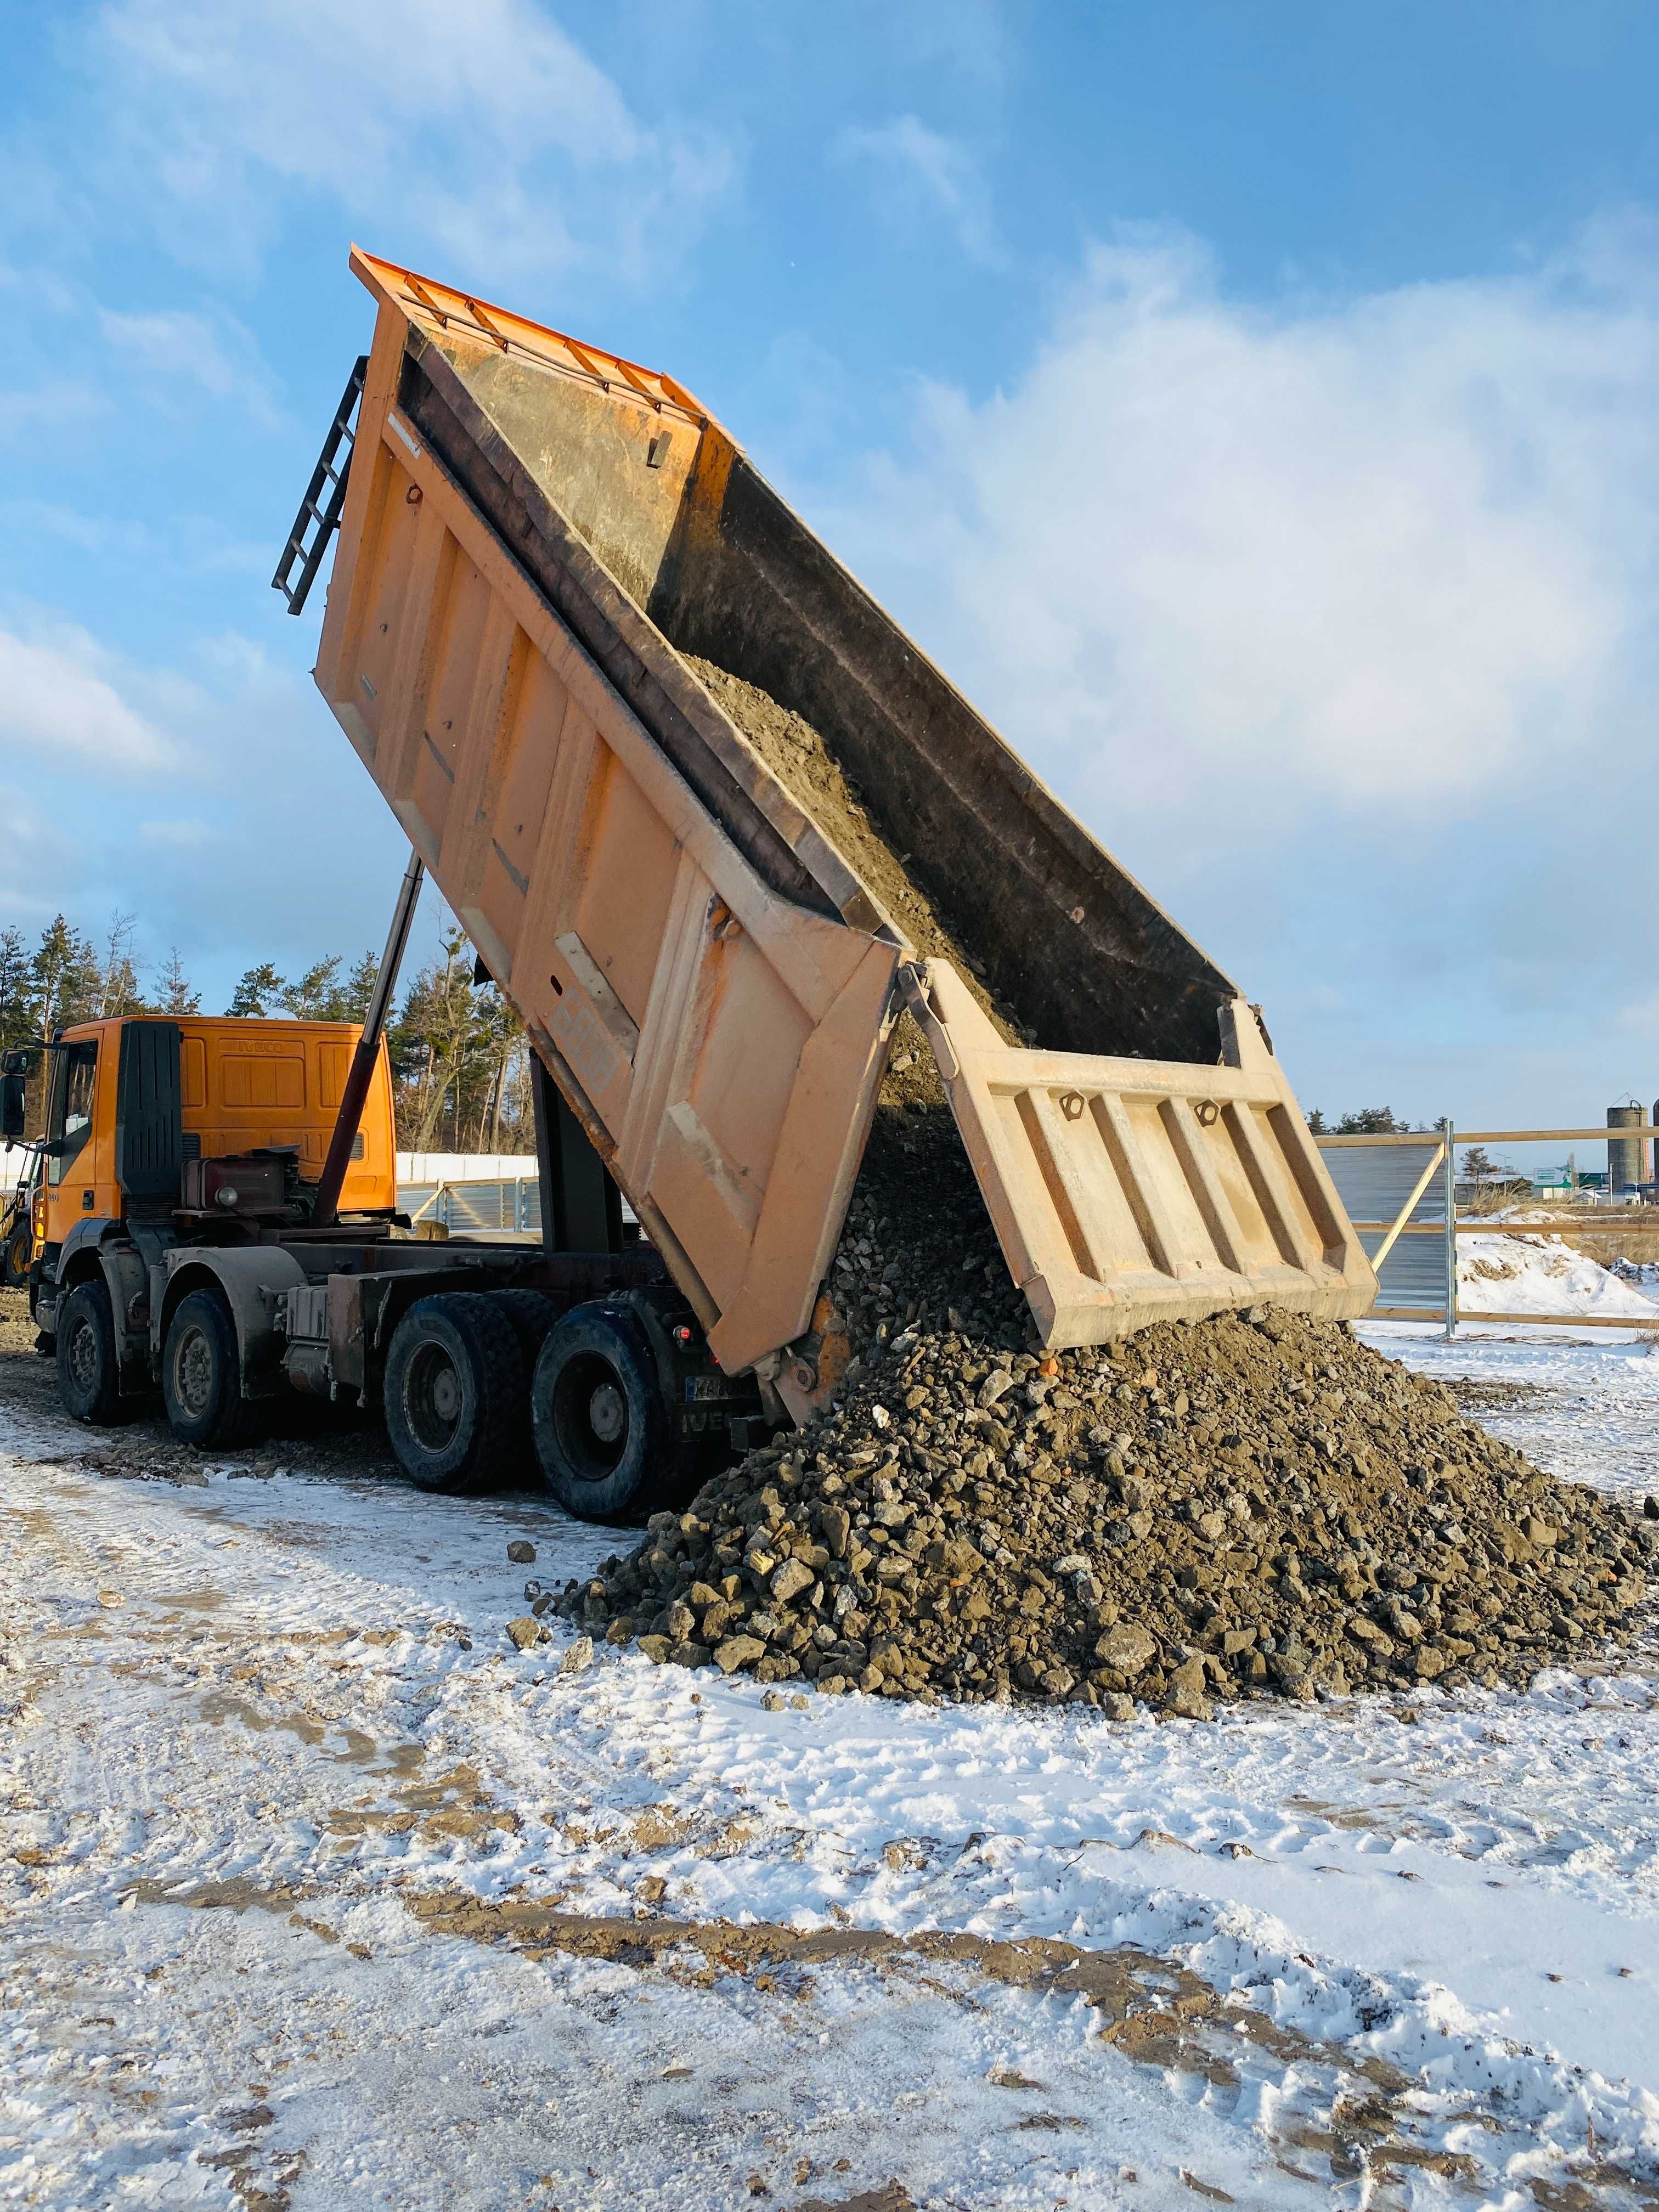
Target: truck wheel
89, 1371
202, 1378
604, 1437
19, 1249
454, 1392
529, 1315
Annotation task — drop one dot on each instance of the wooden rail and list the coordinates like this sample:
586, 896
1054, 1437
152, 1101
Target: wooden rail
1461, 1137
1529, 1320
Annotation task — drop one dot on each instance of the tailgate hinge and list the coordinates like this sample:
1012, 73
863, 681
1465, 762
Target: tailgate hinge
912, 984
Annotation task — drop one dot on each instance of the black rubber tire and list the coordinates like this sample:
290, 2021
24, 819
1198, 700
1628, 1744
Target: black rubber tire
530, 1314
88, 1361
454, 1394
201, 1376
606, 1438
20, 1250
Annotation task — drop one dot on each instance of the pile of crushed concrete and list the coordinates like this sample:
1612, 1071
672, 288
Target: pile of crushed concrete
1253, 1505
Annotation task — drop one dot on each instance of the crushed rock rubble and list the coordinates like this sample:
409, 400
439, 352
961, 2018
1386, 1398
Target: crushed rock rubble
1254, 1506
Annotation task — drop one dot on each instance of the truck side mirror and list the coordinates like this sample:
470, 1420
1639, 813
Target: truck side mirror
14, 1063
13, 1107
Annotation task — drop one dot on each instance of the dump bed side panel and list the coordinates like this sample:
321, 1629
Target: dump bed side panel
721, 1043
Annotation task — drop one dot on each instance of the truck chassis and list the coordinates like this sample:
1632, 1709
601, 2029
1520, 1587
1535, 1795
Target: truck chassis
488, 1360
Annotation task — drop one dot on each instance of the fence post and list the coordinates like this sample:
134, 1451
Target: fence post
1451, 1234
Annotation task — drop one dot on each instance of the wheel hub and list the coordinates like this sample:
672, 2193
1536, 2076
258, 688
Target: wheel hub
433, 1397
192, 1373
83, 1357
607, 1414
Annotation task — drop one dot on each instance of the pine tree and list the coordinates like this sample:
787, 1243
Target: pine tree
1371, 1121
177, 998
318, 996
17, 1019
259, 991
65, 977
359, 987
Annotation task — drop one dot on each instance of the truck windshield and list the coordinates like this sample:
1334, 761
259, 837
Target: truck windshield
70, 1123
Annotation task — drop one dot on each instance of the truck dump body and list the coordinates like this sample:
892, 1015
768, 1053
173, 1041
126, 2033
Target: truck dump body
535, 534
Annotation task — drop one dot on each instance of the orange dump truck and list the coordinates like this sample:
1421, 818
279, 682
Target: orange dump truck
535, 536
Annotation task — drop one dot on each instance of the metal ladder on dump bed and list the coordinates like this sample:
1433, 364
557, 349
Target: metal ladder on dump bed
320, 508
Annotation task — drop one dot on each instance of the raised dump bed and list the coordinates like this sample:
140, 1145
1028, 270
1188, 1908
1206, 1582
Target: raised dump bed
536, 535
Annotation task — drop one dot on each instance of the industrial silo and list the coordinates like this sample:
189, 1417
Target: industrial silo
1626, 1156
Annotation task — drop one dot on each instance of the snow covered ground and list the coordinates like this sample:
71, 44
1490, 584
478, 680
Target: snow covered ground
1511, 1273
318, 1893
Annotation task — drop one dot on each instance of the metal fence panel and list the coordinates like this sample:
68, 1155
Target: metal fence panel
1374, 1181
504, 1205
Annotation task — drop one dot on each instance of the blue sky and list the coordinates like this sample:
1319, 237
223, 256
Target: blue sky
1252, 406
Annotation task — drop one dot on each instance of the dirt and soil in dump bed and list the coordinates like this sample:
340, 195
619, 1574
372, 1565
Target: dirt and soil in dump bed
1249, 1506
814, 779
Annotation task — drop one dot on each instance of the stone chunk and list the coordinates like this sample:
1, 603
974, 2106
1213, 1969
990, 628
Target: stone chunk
738, 1652
526, 1631
1128, 1649
1184, 1696
790, 1580
520, 1553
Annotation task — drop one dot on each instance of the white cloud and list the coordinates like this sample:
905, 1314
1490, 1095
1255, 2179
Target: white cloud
1379, 551
1334, 621
57, 700
481, 131
922, 176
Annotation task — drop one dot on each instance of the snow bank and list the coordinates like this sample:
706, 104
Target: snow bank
1522, 1274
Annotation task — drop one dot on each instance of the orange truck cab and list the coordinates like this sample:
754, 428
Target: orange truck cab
133, 1103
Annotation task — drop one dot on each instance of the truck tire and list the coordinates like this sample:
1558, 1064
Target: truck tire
202, 1375
604, 1436
19, 1249
529, 1315
88, 1366
454, 1394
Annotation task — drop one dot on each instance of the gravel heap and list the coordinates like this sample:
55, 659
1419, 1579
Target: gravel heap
1248, 1506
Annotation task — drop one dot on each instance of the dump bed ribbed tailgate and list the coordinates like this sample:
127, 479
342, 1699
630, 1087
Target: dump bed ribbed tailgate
1129, 1191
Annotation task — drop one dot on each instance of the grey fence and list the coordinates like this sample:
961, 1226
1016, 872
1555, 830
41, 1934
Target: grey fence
508, 1206
1398, 1194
